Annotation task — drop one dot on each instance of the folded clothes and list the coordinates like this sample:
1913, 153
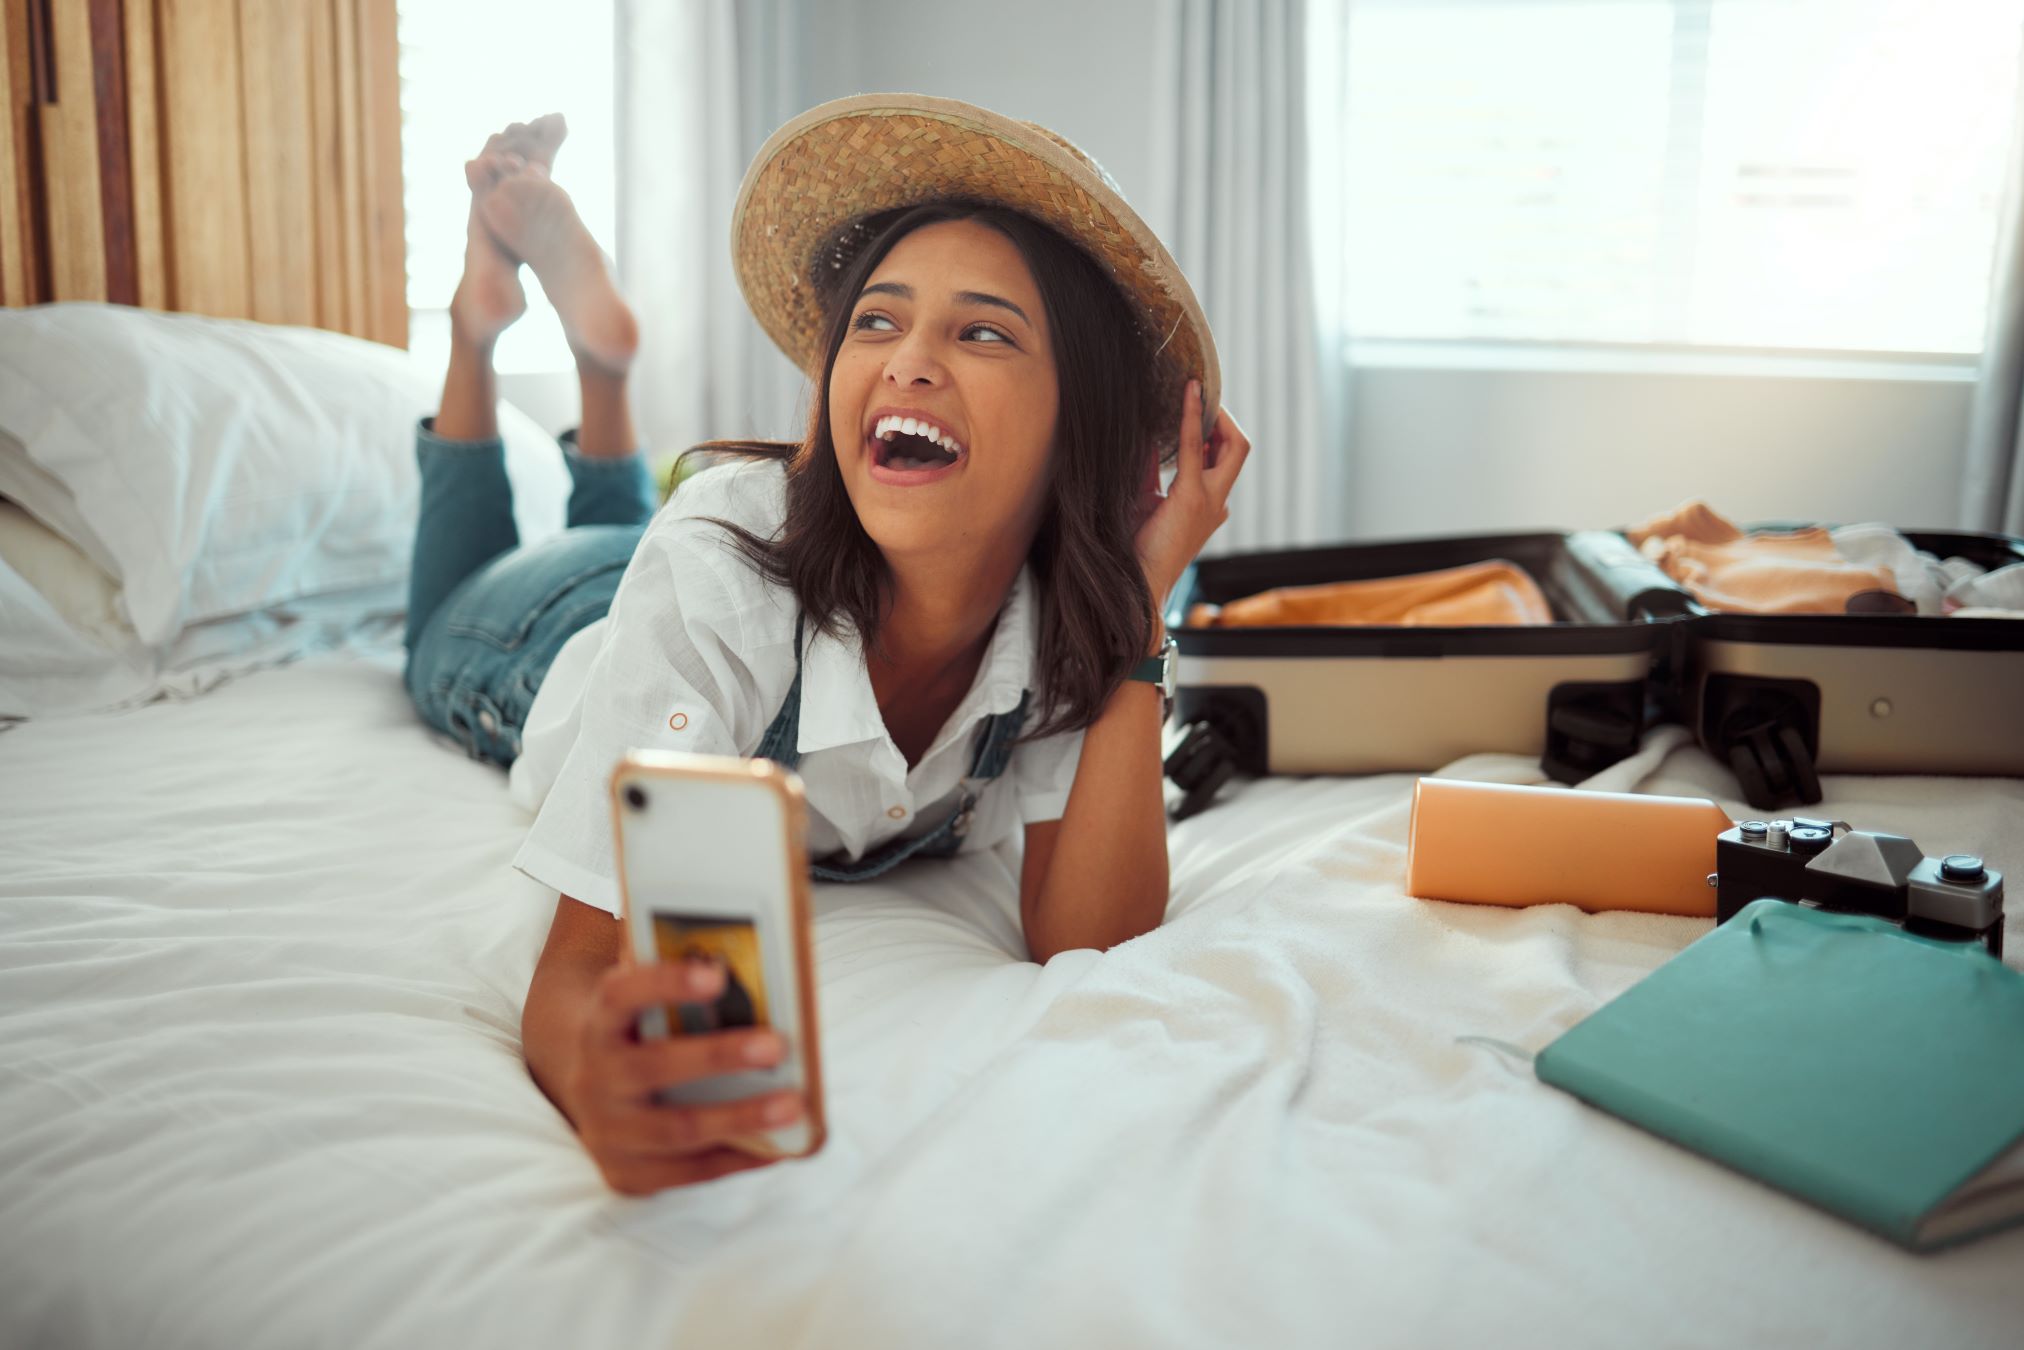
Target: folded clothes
1767, 572
1853, 569
1492, 592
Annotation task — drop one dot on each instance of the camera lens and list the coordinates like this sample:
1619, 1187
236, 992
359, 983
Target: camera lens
635, 797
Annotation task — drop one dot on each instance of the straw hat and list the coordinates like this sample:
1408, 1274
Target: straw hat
802, 208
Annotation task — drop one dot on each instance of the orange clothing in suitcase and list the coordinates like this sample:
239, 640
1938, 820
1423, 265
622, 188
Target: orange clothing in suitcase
1493, 592
1769, 572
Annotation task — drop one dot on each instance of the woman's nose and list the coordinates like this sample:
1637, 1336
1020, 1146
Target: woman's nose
914, 362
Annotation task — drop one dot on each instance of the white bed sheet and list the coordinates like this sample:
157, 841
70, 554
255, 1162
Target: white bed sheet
261, 964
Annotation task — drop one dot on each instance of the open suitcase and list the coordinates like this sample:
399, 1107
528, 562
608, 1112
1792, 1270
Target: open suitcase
1781, 699
1385, 699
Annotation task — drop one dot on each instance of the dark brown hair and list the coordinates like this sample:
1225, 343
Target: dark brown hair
1096, 613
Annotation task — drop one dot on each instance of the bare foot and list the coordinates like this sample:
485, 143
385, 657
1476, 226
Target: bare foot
536, 221
489, 296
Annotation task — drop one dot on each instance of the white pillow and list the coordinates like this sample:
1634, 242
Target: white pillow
71, 584
69, 649
66, 645
219, 467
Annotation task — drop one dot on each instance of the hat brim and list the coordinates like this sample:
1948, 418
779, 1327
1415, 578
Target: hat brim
859, 156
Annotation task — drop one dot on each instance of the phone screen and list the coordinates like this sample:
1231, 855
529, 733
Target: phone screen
732, 942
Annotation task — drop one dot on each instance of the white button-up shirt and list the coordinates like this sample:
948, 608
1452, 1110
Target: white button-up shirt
697, 654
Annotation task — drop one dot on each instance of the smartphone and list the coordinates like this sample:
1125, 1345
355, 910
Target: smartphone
712, 862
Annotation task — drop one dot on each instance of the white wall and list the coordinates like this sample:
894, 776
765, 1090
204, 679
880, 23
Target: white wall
1078, 67
1459, 450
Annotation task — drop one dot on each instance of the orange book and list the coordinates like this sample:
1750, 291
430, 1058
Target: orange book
1501, 844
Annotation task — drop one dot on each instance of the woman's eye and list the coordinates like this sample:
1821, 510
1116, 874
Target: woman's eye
986, 330
864, 321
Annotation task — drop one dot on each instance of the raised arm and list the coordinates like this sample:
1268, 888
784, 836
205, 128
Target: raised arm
1098, 876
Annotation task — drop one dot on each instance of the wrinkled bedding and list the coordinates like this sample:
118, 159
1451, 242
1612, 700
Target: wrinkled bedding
261, 963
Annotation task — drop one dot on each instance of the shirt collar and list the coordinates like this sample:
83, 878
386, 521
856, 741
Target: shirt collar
839, 708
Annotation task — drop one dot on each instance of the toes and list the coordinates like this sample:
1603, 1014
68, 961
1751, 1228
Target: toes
484, 172
548, 132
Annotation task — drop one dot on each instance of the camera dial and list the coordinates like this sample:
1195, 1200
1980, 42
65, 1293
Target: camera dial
1965, 868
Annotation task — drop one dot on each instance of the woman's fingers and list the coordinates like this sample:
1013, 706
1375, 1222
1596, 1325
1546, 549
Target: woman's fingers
1188, 465
660, 1130
1232, 448
638, 1071
626, 991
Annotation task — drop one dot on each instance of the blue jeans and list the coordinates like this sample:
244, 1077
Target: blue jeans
486, 616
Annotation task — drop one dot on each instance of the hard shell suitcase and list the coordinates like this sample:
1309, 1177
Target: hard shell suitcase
1780, 698
1374, 699
1783, 699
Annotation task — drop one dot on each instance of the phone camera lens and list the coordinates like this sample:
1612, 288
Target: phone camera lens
635, 797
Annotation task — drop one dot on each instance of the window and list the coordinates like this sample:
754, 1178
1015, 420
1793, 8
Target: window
466, 71
1820, 174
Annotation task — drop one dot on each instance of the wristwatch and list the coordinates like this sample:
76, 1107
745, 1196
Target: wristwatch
1163, 670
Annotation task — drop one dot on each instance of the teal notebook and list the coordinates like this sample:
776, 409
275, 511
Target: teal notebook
1876, 1074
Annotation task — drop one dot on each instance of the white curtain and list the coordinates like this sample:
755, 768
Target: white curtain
1992, 488
702, 83
1236, 138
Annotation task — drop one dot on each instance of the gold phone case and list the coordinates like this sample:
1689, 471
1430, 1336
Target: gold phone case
646, 766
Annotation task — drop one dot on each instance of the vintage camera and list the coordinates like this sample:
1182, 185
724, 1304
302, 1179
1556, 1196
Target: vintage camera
1827, 865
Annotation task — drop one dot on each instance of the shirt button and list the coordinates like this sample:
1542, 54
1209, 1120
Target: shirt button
487, 721
898, 813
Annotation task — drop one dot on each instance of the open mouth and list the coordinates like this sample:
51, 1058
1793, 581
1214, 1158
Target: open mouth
903, 452
907, 445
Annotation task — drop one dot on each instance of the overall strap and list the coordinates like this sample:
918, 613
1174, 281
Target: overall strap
782, 741
995, 742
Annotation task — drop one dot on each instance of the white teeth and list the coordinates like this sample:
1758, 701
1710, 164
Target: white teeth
888, 427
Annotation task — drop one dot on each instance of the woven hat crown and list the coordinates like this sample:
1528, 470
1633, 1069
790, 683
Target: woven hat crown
817, 189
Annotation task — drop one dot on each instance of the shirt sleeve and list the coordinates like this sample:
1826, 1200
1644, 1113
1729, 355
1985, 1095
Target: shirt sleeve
1043, 771
668, 676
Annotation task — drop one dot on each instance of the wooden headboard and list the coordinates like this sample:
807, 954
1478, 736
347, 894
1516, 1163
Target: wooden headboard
230, 157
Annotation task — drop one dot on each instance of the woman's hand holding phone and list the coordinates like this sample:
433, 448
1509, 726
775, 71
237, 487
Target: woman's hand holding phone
639, 1143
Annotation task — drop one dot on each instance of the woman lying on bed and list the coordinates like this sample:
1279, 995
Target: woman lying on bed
941, 608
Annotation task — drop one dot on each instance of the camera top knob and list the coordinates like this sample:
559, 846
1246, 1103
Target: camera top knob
1752, 830
1963, 867
1810, 839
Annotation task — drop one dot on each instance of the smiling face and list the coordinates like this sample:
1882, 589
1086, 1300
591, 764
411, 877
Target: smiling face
943, 397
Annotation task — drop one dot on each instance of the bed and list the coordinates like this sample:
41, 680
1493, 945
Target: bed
261, 964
